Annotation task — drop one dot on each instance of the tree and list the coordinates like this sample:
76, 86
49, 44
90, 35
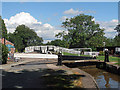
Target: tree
118, 29
109, 42
3, 29
23, 37
3, 48
4, 54
57, 42
82, 32
117, 37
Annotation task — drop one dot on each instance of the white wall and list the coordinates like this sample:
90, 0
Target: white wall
24, 55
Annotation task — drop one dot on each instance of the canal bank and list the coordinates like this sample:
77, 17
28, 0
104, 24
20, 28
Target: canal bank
105, 74
85, 81
109, 67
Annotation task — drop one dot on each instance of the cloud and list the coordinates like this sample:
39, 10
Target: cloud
109, 27
71, 12
76, 12
46, 31
18, 19
93, 19
63, 18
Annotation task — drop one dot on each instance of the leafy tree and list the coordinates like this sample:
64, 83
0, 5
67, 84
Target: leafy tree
109, 42
82, 32
23, 37
118, 29
3, 29
4, 54
57, 42
117, 38
3, 48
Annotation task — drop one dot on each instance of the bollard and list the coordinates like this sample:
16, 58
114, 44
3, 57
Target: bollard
59, 59
47, 48
106, 55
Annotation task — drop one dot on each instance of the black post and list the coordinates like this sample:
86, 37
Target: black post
59, 59
106, 56
47, 48
53, 48
40, 49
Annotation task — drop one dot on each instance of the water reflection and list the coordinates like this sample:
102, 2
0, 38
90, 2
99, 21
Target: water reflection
104, 79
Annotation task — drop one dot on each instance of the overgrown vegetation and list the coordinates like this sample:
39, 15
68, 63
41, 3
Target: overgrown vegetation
4, 54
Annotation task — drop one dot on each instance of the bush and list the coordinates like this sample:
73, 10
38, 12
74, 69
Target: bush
4, 54
101, 53
16, 50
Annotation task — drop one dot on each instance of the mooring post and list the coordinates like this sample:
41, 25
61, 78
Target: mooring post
59, 59
106, 55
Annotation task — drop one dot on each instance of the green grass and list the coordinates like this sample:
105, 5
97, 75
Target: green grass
85, 55
111, 58
65, 53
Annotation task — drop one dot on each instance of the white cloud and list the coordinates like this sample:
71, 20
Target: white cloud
71, 12
76, 12
18, 19
114, 21
93, 19
109, 27
63, 18
46, 31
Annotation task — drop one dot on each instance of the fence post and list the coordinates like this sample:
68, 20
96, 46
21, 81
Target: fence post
59, 59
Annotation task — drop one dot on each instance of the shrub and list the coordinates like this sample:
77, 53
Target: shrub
4, 54
16, 50
101, 53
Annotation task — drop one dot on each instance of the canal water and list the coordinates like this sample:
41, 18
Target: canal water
104, 79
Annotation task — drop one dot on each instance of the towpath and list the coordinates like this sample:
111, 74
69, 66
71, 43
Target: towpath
43, 73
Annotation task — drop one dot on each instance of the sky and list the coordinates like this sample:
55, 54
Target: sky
46, 17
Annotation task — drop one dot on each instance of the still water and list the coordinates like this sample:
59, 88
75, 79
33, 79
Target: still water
104, 79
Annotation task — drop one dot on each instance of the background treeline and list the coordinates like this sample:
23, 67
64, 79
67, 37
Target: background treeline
24, 37
82, 31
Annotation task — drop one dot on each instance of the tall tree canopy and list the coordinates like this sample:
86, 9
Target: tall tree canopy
117, 38
118, 29
82, 32
23, 37
3, 28
57, 42
3, 48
